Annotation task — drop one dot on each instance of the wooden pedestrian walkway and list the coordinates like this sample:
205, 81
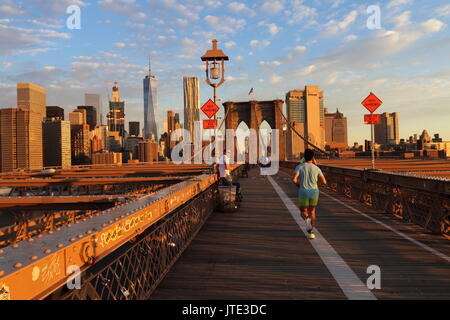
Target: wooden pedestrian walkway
260, 252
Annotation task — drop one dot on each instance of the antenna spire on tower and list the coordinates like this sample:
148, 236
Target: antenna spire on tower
149, 65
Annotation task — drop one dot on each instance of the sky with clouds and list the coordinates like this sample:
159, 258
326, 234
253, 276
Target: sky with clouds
274, 46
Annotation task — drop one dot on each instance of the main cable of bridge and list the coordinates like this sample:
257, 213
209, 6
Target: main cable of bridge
301, 137
287, 122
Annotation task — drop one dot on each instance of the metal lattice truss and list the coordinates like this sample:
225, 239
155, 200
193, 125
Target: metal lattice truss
136, 269
122, 252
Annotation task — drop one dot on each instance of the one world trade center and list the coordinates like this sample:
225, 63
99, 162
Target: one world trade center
150, 106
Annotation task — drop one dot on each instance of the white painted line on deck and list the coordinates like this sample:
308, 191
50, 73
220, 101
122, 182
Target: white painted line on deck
351, 285
401, 234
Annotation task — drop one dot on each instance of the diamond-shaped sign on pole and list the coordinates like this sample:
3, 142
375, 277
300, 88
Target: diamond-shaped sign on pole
210, 108
372, 103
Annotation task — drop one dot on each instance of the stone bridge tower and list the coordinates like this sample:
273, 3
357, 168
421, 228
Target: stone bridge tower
253, 113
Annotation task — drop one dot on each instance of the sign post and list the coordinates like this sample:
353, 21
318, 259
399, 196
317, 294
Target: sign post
210, 109
372, 103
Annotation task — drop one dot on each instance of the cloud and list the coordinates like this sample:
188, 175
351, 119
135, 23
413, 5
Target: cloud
273, 28
8, 8
396, 3
22, 40
298, 12
443, 11
270, 64
120, 45
259, 44
241, 8
127, 8
51, 9
275, 79
46, 25
183, 23
225, 24
234, 79
189, 47
403, 19
191, 12
300, 49
295, 54
213, 3
230, 44
43, 76
272, 6
334, 27
433, 25
350, 37
377, 47
337, 3
307, 70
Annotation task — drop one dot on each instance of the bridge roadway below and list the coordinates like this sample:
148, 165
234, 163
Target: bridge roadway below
261, 252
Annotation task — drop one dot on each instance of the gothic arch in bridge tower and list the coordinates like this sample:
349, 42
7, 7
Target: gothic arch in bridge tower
253, 113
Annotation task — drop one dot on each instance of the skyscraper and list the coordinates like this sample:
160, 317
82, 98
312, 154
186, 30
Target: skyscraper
21, 129
134, 128
91, 115
8, 136
32, 98
57, 146
80, 146
21, 139
170, 121
387, 132
148, 151
77, 117
116, 115
191, 91
336, 129
305, 109
54, 112
93, 99
150, 105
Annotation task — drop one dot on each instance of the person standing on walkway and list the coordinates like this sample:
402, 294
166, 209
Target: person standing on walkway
306, 176
225, 174
225, 168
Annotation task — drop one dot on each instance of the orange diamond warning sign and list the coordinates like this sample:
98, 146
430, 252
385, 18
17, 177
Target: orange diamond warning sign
210, 108
372, 103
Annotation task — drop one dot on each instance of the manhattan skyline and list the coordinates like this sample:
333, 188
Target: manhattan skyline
274, 46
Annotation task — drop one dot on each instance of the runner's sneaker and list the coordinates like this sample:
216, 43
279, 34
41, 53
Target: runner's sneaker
311, 235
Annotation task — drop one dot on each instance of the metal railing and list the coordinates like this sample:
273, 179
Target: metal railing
424, 201
135, 270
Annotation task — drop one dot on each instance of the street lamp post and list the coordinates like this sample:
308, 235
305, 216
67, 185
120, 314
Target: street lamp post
215, 67
285, 128
215, 70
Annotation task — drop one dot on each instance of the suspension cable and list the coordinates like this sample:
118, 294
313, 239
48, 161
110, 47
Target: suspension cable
287, 122
303, 138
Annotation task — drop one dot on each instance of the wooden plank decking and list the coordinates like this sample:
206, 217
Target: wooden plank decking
260, 253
